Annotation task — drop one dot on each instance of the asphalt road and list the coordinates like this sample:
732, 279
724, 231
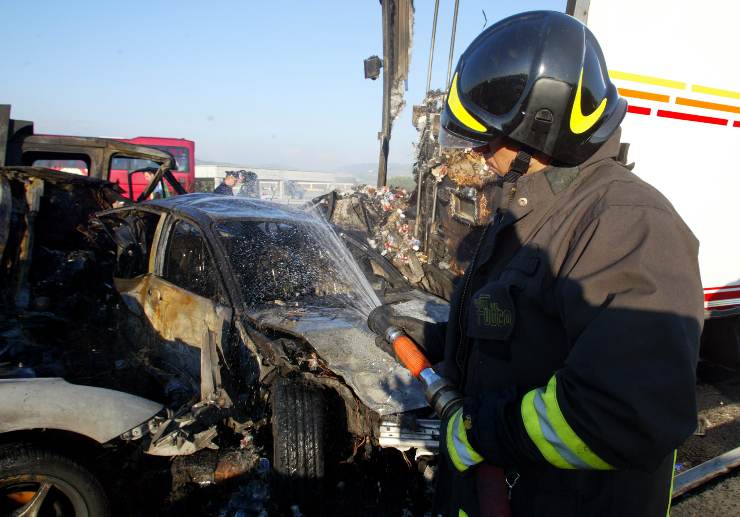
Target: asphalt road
718, 397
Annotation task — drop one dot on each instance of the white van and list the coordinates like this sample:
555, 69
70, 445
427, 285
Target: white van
677, 62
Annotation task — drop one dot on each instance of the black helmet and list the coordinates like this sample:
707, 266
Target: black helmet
538, 78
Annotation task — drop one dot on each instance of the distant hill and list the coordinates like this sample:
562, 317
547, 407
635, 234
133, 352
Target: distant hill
278, 166
368, 172
362, 172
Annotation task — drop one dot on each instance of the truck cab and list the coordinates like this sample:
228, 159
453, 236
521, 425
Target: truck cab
87, 156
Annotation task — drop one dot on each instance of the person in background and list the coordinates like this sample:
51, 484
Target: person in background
149, 174
226, 188
249, 184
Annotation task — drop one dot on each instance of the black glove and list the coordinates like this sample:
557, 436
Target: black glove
454, 443
429, 336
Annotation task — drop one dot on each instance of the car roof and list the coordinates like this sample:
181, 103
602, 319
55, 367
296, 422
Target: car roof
219, 208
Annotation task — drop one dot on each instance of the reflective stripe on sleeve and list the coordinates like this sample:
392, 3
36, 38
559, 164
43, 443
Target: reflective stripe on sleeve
463, 456
550, 432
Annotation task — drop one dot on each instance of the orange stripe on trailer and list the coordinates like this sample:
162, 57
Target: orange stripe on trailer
707, 105
648, 96
647, 79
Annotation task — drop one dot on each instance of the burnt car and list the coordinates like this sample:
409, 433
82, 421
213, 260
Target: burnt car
239, 296
222, 329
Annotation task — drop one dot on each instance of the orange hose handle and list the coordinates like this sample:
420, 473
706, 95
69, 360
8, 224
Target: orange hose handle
409, 355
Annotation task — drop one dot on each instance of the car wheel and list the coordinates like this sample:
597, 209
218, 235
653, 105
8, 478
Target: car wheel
298, 423
34, 481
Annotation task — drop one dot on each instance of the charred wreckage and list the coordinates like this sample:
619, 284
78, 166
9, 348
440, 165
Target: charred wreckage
211, 331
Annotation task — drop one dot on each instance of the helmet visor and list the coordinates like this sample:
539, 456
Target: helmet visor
454, 141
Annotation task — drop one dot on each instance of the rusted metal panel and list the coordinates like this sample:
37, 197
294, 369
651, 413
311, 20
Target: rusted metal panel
397, 40
188, 328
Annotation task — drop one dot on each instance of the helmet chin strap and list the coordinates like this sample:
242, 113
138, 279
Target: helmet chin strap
519, 167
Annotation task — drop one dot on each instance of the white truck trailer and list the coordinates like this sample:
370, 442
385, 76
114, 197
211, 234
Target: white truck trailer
677, 62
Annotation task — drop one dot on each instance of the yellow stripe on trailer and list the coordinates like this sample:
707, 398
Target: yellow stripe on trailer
647, 79
730, 94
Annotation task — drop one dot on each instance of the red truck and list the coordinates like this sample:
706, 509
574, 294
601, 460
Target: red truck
181, 149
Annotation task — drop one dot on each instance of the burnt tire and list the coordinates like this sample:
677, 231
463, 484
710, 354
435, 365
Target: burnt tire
299, 413
32, 478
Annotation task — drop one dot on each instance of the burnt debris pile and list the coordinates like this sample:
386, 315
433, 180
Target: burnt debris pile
55, 273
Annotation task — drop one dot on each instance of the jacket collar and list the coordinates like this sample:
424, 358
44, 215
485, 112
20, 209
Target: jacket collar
538, 191
528, 202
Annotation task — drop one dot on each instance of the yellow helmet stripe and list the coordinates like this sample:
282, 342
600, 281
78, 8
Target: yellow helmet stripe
461, 114
580, 123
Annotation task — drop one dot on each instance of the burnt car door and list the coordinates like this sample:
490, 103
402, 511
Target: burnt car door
187, 306
135, 233
178, 315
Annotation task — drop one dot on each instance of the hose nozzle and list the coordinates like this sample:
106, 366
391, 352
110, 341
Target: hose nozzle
406, 350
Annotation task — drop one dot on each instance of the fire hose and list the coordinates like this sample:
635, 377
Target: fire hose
442, 396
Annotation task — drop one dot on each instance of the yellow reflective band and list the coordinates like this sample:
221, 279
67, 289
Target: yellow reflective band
451, 450
461, 513
566, 433
461, 453
673, 476
461, 114
462, 436
532, 425
580, 123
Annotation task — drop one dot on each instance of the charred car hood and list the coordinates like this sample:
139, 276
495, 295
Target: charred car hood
347, 346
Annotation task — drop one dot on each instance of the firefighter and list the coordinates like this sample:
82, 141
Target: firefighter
227, 185
574, 334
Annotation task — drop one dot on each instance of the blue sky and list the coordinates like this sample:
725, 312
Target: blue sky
259, 83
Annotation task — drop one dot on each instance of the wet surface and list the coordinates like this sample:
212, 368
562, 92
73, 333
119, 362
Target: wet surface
344, 342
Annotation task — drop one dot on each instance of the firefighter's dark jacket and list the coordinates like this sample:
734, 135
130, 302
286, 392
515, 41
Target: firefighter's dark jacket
574, 337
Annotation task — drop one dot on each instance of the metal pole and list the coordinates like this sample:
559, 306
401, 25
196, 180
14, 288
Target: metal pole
387, 80
431, 48
578, 9
452, 43
421, 168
